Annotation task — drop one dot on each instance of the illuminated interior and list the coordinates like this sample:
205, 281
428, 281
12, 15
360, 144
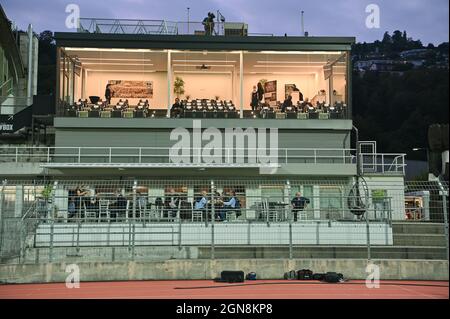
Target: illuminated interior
319, 76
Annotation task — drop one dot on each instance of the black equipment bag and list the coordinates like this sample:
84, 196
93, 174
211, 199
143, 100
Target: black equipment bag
232, 276
304, 274
333, 277
290, 275
251, 276
319, 277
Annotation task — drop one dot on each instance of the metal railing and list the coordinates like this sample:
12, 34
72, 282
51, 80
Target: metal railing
370, 163
126, 26
6, 88
161, 155
162, 27
383, 163
14, 104
41, 220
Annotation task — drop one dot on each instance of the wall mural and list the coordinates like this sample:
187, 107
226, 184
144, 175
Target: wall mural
270, 92
288, 89
131, 89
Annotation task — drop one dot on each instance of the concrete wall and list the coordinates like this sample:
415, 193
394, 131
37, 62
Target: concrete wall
305, 233
76, 132
209, 269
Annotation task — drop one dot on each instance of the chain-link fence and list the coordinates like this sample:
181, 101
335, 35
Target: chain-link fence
98, 220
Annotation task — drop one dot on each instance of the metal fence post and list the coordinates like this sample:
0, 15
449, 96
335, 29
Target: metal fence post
78, 236
212, 219
23, 238
129, 237
53, 205
288, 185
133, 234
179, 234
2, 201
444, 206
50, 252
368, 236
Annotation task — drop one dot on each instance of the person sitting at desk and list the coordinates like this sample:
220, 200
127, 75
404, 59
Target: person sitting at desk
141, 201
176, 109
298, 203
80, 200
171, 203
118, 209
200, 204
286, 103
228, 206
306, 104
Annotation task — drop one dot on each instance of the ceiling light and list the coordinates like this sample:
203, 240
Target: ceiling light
291, 73
110, 59
300, 52
203, 72
129, 71
196, 65
106, 49
205, 61
287, 66
296, 62
124, 64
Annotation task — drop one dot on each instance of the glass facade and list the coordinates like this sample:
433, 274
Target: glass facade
281, 81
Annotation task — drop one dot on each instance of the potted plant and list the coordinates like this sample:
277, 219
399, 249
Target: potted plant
178, 86
47, 192
45, 201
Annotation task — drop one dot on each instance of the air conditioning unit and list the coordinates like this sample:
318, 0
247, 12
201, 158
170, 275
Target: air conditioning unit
235, 29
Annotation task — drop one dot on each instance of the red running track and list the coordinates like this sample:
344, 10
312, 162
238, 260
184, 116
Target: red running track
204, 289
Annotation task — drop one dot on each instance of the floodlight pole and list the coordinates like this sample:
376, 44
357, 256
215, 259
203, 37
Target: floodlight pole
188, 20
302, 24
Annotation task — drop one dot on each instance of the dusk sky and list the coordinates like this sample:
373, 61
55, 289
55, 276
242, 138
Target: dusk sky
426, 20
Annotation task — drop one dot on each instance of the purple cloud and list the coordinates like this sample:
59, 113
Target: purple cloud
422, 19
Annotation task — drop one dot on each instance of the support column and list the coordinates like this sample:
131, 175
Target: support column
330, 88
83, 83
30, 62
241, 82
18, 203
169, 82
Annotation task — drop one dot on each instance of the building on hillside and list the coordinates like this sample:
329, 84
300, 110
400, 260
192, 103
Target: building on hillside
18, 73
118, 130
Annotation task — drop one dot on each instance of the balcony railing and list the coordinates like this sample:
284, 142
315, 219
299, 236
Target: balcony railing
385, 163
162, 27
195, 157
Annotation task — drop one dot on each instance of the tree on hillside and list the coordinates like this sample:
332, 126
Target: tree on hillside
46, 63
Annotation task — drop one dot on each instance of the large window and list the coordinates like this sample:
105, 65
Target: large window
160, 76
134, 74
205, 75
308, 75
